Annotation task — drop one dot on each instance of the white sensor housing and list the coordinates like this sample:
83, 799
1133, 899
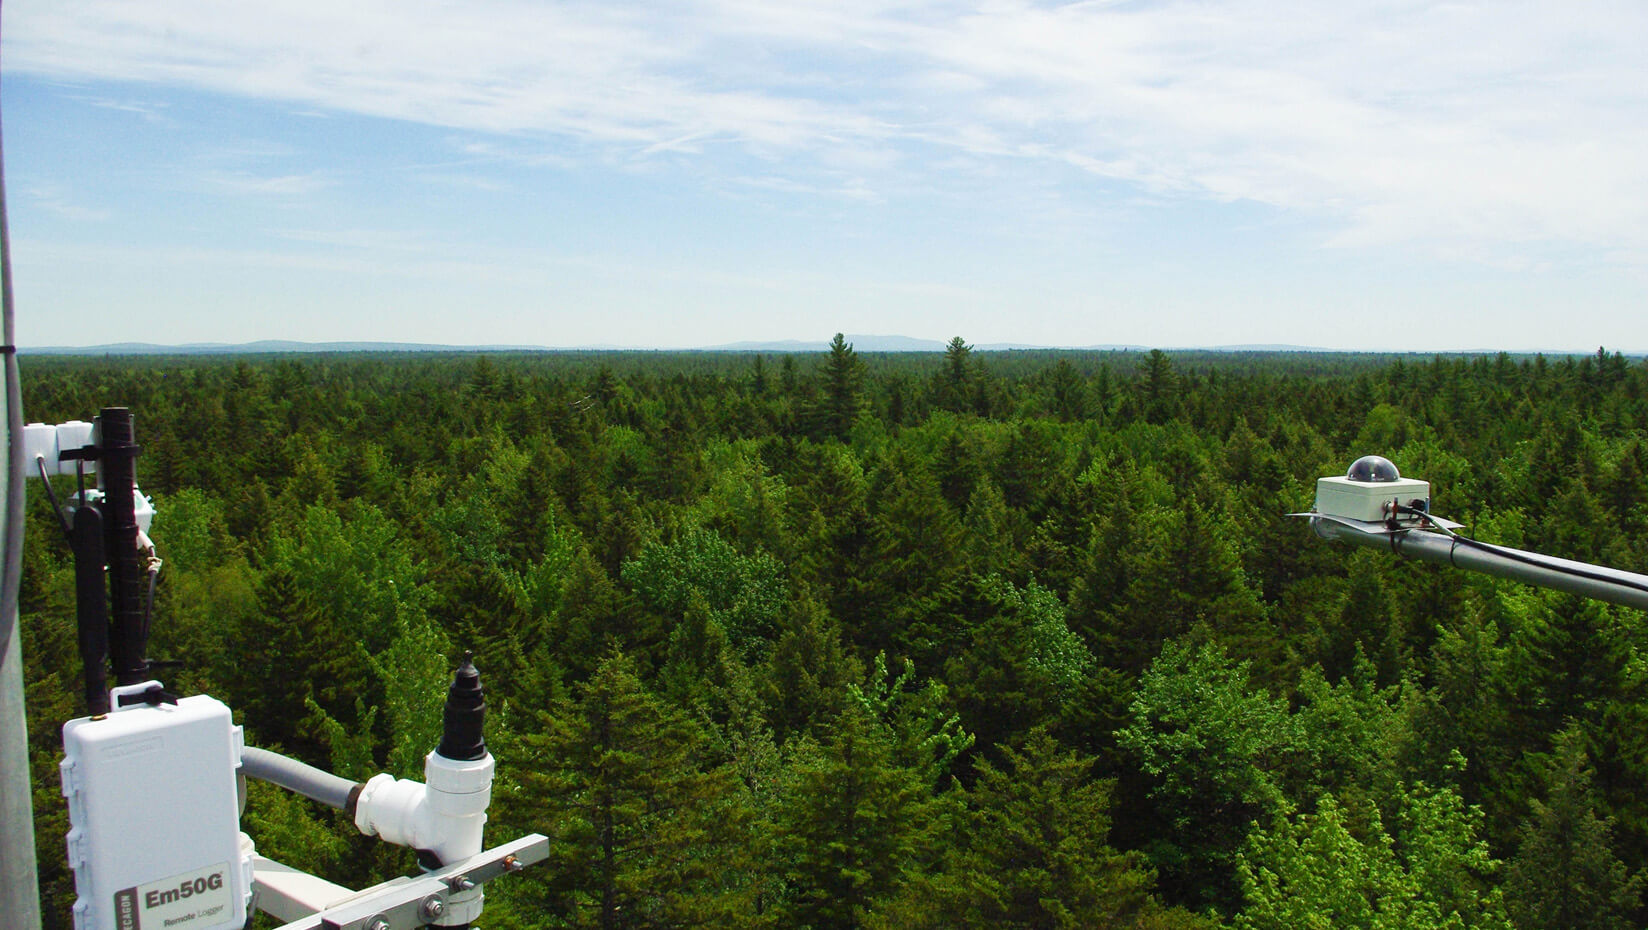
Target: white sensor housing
1370, 501
155, 840
48, 442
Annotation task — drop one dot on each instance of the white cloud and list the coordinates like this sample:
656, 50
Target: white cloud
152, 111
1469, 127
55, 199
240, 183
391, 240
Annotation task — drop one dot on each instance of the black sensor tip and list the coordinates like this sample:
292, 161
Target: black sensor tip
465, 715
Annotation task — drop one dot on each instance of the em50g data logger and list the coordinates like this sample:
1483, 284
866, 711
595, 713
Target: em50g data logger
155, 814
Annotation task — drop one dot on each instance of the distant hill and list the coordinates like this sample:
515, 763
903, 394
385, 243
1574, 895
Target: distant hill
860, 343
264, 347
274, 346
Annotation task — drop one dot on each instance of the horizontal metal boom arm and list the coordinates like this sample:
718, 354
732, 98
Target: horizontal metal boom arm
1582, 578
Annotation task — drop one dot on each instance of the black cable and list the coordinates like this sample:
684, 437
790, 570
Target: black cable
1523, 557
51, 495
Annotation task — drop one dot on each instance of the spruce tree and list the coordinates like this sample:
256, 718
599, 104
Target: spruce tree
842, 396
855, 824
642, 820
1037, 846
1565, 873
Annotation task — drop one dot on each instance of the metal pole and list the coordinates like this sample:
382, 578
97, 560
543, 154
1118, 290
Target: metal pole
1582, 578
19, 882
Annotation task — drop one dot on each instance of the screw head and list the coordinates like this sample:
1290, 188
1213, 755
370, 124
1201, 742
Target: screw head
512, 864
433, 907
379, 922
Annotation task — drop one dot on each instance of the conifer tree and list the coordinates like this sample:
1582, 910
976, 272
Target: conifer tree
854, 826
1069, 397
1565, 872
915, 567
807, 672
953, 385
1159, 388
842, 396
641, 818
1037, 851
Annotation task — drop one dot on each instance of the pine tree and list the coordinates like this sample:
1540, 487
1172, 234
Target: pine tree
842, 397
1159, 390
1565, 873
915, 567
1069, 397
853, 826
953, 387
1030, 850
642, 821
1037, 851
807, 672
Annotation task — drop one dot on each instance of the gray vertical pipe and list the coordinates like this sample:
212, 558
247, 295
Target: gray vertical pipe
19, 882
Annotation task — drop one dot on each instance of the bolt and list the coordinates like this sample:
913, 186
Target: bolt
459, 883
379, 922
512, 864
433, 907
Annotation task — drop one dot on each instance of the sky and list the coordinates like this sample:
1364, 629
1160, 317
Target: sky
1396, 175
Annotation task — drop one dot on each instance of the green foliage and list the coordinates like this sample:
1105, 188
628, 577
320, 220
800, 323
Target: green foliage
1212, 746
841, 390
1565, 872
1356, 739
926, 738
744, 595
1330, 869
857, 822
642, 820
808, 672
1139, 664
1053, 653
1030, 851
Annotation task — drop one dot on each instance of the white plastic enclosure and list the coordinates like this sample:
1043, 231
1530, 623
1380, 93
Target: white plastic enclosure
155, 837
1368, 501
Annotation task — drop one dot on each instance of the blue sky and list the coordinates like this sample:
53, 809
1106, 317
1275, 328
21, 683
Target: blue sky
1391, 175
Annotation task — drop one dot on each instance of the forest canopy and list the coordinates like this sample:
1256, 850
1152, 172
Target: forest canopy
972, 639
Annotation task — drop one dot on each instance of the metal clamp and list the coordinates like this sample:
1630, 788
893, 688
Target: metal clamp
410, 902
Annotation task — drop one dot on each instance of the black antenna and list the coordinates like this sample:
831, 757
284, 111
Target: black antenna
117, 455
